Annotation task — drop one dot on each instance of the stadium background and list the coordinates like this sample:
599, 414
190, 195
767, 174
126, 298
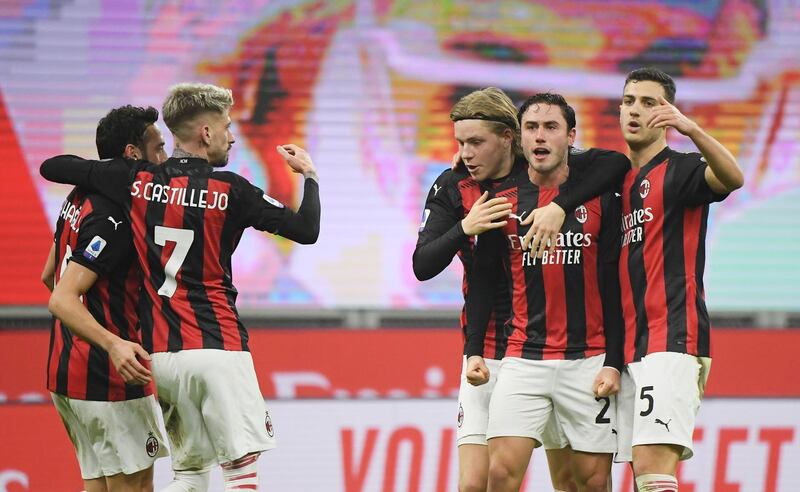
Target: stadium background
358, 359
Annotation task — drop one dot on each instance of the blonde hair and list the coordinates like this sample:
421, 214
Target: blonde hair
495, 108
188, 100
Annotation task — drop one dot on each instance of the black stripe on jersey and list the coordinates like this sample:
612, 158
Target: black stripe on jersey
62, 376
536, 329
52, 343
155, 216
575, 303
638, 276
145, 312
117, 299
97, 370
229, 239
193, 219
703, 321
674, 265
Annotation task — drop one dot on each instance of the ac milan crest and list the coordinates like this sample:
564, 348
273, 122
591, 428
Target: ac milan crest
268, 425
581, 214
151, 445
644, 188
460, 415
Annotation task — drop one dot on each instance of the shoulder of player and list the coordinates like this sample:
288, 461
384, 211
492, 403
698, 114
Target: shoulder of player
686, 157
578, 157
102, 206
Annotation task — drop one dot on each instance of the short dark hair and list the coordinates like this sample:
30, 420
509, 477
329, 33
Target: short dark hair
122, 126
553, 100
654, 75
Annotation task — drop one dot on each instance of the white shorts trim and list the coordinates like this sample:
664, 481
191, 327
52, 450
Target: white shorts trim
530, 393
659, 400
112, 437
213, 408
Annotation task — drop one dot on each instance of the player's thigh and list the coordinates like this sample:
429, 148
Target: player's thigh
509, 456
520, 405
591, 469
234, 410
560, 467
473, 406
141, 481
666, 399
95, 485
588, 421
88, 461
656, 458
179, 395
473, 467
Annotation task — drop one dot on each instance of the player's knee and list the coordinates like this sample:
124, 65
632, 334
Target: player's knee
501, 472
472, 483
597, 482
189, 481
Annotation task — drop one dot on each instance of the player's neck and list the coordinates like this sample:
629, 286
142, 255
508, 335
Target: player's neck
552, 179
186, 150
641, 156
505, 168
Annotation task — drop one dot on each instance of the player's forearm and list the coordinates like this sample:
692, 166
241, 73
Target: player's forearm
613, 323
432, 257
482, 283
67, 169
303, 226
49, 270
74, 315
720, 160
604, 174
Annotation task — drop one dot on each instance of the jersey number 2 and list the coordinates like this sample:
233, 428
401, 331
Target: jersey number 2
183, 239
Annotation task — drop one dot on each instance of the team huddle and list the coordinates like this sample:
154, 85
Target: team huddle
144, 302
585, 326
584, 321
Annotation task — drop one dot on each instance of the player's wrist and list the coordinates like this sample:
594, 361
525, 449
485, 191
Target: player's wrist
311, 174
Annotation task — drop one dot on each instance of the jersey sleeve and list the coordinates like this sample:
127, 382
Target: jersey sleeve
690, 183
110, 178
484, 279
440, 232
608, 273
104, 238
262, 212
595, 171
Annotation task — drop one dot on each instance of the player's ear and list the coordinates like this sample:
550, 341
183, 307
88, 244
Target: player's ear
205, 134
132, 152
571, 136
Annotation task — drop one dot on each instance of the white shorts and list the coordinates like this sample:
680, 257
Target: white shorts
112, 437
214, 411
529, 393
473, 411
659, 400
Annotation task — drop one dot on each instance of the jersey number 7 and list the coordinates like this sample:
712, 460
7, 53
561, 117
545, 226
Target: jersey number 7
183, 239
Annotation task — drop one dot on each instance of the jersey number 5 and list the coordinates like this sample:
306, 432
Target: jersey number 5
183, 239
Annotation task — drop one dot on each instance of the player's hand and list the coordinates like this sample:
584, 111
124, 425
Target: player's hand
668, 115
542, 235
456, 161
606, 383
298, 159
486, 214
477, 373
123, 355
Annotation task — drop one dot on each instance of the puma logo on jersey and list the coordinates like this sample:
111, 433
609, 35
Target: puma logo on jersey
518, 217
665, 424
436, 189
114, 222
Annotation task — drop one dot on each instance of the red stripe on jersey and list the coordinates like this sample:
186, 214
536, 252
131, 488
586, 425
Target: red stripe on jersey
595, 334
519, 303
138, 216
213, 275
116, 385
692, 218
555, 312
655, 298
626, 290
179, 301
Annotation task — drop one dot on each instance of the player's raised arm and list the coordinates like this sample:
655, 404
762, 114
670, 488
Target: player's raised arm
723, 174
109, 178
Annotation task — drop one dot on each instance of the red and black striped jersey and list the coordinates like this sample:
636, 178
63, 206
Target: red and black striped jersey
187, 219
441, 237
664, 218
93, 232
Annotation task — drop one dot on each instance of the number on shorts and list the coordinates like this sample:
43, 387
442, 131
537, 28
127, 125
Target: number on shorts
650, 402
601, 417
183, 239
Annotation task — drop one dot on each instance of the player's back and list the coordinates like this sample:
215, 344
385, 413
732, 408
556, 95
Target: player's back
93, 232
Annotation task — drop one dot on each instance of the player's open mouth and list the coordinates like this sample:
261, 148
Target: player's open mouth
541, 152
633, 125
